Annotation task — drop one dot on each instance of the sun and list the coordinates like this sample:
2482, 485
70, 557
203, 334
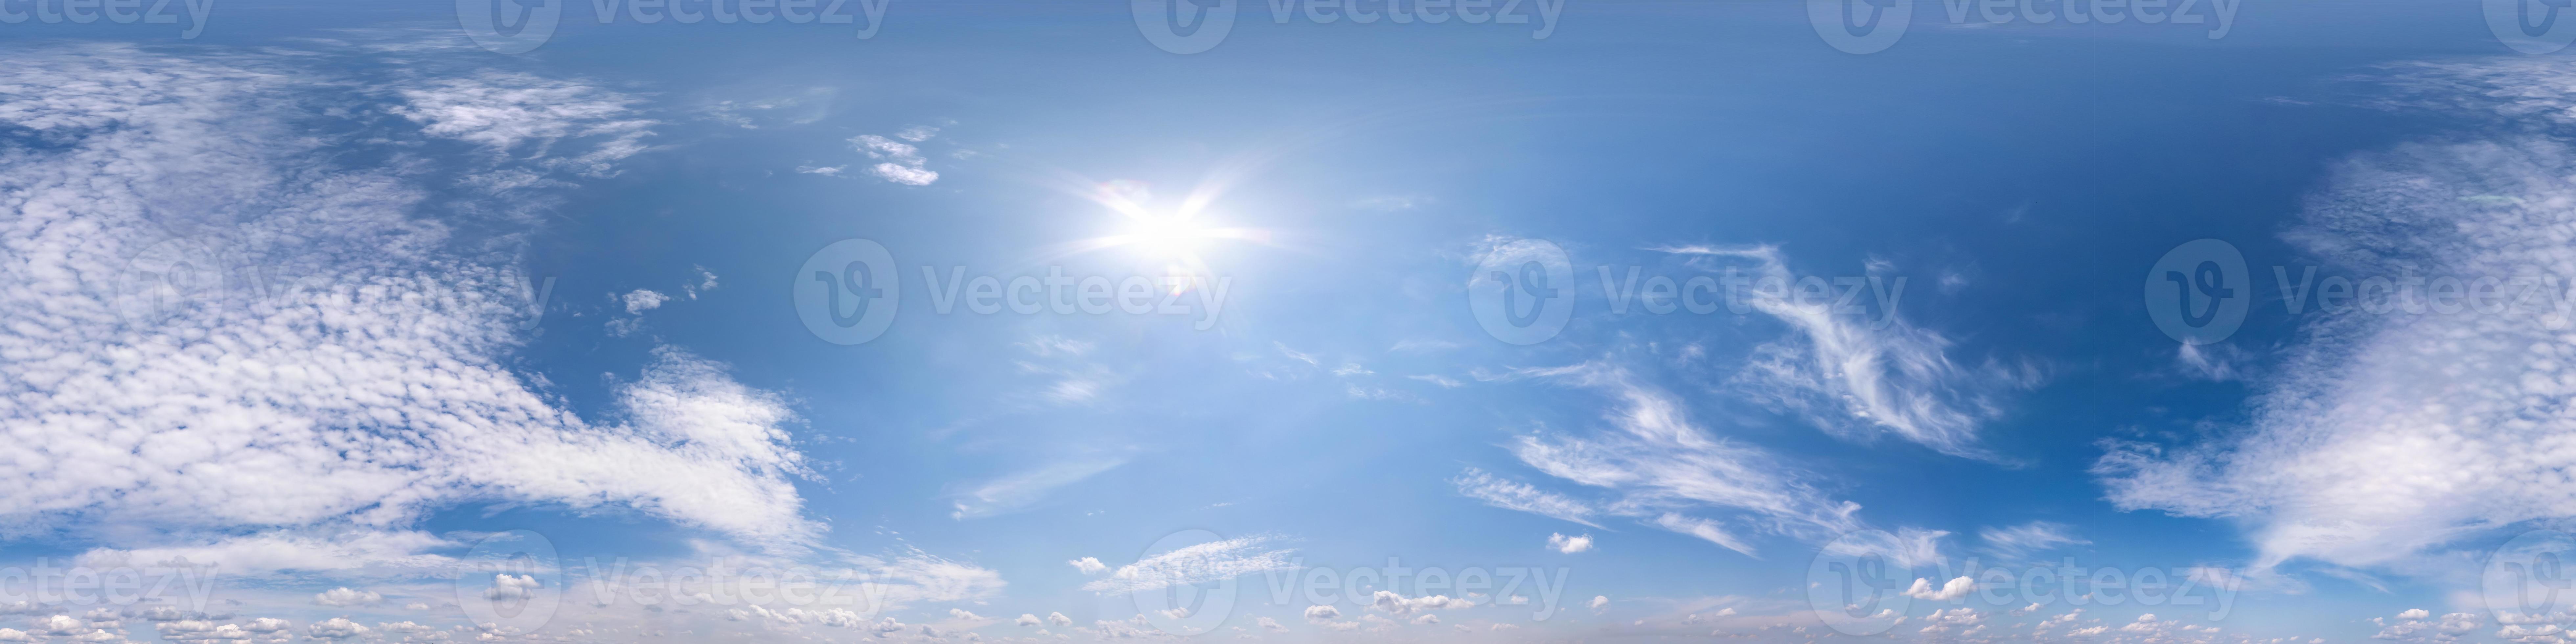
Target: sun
1167, 237
1177, 239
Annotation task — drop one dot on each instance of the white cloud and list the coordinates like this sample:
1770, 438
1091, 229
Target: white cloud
529, 118
906, 175
1568, 545
1885, 375
1395, 604
903, 162
1211, 561
2028, 538
1511, 495
1322, 613
642, 300
706, 282
336, 628
1271, 625
1026, 620
828, 171
345, 596
1058, 619
1953, 590
1019, 490
2387, 435
353, 371
1599, 601
1089, 565
1909, 547
1661, 466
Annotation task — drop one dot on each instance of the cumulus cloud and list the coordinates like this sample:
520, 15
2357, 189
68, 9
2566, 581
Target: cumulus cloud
348, 368
902, 162
2385, 434
1859, 377
1953, 590
1395, 604
345, 596
1322, 613
1568, 545
641, 300
1089, 565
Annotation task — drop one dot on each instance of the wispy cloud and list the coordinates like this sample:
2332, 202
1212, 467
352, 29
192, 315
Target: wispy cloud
2029, 538
1019, 490
1662, 470
1882, 377
1206, 562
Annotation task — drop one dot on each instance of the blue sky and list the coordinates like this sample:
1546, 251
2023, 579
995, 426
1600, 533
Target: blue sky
368, 322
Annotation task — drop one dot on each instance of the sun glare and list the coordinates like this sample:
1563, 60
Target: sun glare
1167, 236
